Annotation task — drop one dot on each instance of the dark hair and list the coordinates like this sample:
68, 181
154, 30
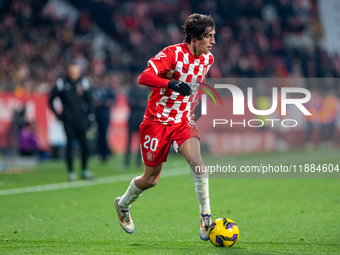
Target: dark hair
195, 26
72, 63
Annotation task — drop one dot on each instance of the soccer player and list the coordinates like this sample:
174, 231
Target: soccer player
168, 117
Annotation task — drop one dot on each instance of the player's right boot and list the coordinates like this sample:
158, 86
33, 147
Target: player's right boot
124, 217
205, 218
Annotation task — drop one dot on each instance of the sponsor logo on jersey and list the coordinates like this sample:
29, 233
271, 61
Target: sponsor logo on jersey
160, 55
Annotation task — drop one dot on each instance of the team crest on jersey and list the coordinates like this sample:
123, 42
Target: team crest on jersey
150, 157
205, 70
160, 55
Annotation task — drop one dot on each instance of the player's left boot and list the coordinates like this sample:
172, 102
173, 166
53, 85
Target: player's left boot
205, 217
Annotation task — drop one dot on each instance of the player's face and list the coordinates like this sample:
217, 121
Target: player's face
205, 44
73, 72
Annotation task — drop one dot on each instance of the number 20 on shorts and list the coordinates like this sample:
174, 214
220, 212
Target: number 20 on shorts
152, 141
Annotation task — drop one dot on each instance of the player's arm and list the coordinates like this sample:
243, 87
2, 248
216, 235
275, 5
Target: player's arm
162, 63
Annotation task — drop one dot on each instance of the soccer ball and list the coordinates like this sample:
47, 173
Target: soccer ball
223, 232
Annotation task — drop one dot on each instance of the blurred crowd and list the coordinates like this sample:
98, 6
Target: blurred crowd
255, 38
112, 41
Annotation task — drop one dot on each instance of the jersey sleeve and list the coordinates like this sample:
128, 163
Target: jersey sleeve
155, 74
163, 62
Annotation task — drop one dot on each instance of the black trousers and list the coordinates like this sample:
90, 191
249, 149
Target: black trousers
103, 121
76, 129
131, 129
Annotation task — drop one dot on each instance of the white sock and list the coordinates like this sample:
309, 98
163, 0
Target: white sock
130, 196
202, 191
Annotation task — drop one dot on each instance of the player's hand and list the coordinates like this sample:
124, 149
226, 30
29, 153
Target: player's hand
180, 87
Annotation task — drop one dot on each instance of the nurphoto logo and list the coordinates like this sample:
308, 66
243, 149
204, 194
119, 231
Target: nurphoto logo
239, 104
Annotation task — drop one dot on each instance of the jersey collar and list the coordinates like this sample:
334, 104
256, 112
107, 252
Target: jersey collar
191, 54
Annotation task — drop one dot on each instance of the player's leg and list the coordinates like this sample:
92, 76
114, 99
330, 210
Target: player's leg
190, 148
191, 151
154, 140
70, 135
81, 136
137, 186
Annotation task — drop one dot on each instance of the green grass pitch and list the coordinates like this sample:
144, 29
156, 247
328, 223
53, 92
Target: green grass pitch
275, 215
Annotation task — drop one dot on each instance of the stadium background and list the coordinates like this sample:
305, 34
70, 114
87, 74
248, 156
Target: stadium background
113, 40
42, 213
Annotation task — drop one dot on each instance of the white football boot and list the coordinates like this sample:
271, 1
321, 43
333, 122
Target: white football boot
205, 218
124, 217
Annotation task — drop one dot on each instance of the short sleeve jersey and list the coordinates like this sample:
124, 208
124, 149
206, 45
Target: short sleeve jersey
176, 63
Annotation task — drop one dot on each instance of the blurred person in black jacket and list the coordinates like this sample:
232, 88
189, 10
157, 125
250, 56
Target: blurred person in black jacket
77, 115
103, 100
138, 99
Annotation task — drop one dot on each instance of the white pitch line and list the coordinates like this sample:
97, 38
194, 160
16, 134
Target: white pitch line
84, 183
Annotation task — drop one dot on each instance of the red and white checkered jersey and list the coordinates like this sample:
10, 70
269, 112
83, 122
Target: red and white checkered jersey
176, 63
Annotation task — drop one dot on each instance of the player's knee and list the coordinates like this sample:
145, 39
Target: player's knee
149, 183
195, 160
152, 183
